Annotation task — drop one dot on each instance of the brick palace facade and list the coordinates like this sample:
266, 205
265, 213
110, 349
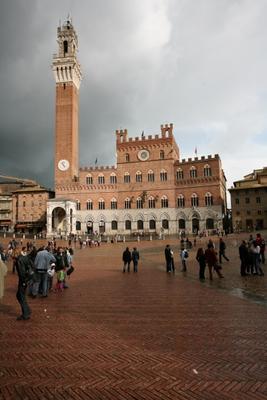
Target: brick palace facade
149, 190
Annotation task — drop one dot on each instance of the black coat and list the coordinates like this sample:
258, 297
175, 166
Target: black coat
126, 256
24, 268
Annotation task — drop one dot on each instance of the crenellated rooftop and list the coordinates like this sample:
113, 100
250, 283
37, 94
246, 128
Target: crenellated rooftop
197, 159
98, 168
166, 133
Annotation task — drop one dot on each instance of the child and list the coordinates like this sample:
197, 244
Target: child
60, 280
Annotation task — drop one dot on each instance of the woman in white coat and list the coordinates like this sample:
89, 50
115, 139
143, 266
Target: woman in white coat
3, 272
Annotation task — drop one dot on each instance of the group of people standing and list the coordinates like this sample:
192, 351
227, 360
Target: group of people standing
36, 270
252, 256
204, 257
169, 257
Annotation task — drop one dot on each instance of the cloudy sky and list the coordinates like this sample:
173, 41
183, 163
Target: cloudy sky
201, 65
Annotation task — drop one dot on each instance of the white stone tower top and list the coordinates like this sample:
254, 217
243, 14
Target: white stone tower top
65, 65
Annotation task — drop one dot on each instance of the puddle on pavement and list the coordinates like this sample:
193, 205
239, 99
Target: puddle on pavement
243, 294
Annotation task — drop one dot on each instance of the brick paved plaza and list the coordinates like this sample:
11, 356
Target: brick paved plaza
146, 336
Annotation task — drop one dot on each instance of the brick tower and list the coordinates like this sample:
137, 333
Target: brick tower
67, 73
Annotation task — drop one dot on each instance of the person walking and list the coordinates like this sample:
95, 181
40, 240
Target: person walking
24, 270
168, 258
222, 247
3, 272
212, 261
126, 258
135, 258
201, 259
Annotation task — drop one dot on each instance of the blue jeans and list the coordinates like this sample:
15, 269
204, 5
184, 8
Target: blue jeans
41, 284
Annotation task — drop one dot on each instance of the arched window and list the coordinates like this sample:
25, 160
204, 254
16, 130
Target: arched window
127, 178
113, 204
78, 204
139, 202
89, 180
78, 225
101, 204
194, 200
128, 225
140, 224
89, 204
208, 199
180, 201
163, 175
193, 172
138, 176
101, 179
65, 45
164, 202
127, 157
151, 202
161, 155
179, 174
209, 223
181, 223
207, 170
113, 178
165, 224
127, 203
114, 225
150, 176
152, 224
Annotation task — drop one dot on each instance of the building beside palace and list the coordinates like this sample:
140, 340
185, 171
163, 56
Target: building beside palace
249, 201
149, 190
23, 204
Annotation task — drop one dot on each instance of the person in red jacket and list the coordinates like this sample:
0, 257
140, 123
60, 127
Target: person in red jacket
212, 261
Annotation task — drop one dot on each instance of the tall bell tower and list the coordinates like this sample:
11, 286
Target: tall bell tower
67, 73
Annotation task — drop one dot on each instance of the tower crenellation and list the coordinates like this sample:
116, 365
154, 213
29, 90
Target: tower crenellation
65, 66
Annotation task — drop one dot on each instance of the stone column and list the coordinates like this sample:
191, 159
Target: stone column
49, 221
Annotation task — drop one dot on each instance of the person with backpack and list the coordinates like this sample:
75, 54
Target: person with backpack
184, 256
25, 271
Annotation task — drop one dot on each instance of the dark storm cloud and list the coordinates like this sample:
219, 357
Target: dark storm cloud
202, 67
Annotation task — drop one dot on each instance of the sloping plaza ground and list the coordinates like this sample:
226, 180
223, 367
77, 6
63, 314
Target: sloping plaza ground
149, 335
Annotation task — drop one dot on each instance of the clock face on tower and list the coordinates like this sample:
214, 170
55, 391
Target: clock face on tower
63, 165
143, 155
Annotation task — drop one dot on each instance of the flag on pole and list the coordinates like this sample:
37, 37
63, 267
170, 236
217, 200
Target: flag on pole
95, 161
196, 151
143, 134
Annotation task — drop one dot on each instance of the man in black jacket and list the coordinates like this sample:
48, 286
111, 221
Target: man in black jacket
24, 270
126, 258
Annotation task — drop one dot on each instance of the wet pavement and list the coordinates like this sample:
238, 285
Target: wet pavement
150, 335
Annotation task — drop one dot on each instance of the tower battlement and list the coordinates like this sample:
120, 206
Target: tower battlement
196, 159
166, 133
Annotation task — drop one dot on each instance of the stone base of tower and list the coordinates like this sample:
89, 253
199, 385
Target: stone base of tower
61, 217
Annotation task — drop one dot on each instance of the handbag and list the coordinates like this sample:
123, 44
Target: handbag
70, 270
51, 272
